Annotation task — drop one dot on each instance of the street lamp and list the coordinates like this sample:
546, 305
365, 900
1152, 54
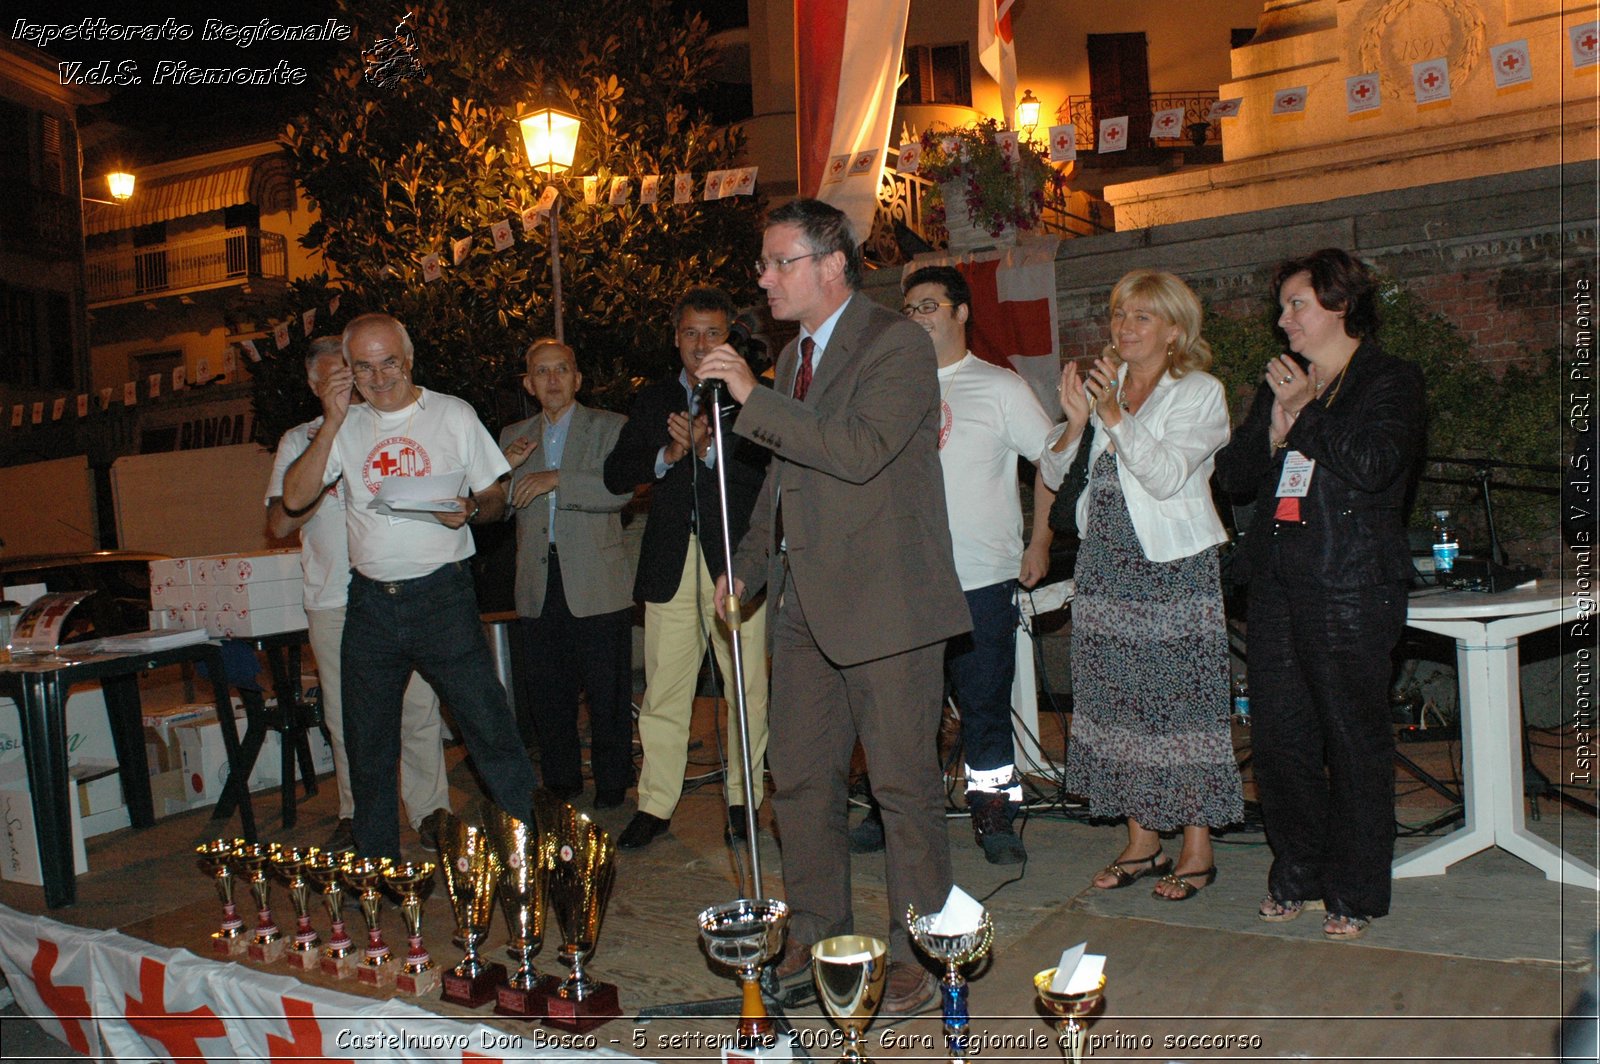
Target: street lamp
121, 185
1028, 113
550, 138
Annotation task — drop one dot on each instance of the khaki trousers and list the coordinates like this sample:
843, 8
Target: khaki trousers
674, 645
424, 785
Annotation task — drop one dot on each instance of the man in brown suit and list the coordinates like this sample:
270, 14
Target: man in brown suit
851, 541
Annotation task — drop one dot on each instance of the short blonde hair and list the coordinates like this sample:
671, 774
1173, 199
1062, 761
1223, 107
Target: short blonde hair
1175, 301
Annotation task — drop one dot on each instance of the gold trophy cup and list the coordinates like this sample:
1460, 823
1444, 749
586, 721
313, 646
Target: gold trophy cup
411, 883
288, 864
952, 951
338, 956
471, 873
849, 971
212, 857
744, 935
525, 855
249, 863
361, 876
580, 883
1069, 1009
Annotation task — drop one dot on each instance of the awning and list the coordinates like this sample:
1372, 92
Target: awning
164, 199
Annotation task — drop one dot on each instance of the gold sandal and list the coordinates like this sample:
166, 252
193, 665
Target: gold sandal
1154, 865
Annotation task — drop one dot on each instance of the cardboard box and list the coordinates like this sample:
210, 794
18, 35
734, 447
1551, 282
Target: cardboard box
88, 728
162, 753
19, 841
170, 572
226, 569
99, 786
257, 622
205, 761
258, 595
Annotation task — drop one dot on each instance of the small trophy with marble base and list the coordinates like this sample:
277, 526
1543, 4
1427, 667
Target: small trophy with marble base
229, 940
361, 876
288, 863
412, 883
249, 863
339, 958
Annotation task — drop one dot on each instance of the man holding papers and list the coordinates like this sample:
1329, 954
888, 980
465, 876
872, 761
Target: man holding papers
411, 599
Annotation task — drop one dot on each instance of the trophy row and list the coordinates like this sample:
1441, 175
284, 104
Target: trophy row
567, 862
849, 973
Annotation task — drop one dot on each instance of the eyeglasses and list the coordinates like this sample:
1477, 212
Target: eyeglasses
365, 371
763, 265
923, 309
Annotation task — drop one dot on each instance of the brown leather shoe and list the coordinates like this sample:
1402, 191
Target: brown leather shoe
793, 965
908, 989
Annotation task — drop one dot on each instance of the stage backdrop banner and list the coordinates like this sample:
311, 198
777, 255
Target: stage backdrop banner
847, 59
108, 995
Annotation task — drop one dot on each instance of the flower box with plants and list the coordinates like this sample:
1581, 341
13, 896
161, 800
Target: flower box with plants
978, 183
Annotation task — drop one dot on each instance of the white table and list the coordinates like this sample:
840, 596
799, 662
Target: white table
1486, 629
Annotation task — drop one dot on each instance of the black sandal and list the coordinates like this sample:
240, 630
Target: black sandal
1186, 889
1154, 865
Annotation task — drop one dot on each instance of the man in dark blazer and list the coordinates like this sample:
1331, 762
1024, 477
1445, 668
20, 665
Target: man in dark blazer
573, 580
667, 443
851, 541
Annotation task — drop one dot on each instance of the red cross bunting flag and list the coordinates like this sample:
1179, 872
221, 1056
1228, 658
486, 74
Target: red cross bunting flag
848, 55
620, 189
177, 379
530, 220
105, 398
202, 371
547, 198
154, 386
1063, 143
250, 350
280, 335
1289, 101
431, 270
1362, 92
864, 162
58, 408
1585, 40
744, 180
1113, 135
1166, 124
650, 188
682, 188
83, 404
501, 232
591, 189
1006, 141
333, 305
459, 249
1430, 80
38, 412
910, 158
130, 394
729, 184
308, 320
713, 186
1511, 64
838, 167
1224, 108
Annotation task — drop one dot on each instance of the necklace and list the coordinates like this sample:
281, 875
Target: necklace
1338, 382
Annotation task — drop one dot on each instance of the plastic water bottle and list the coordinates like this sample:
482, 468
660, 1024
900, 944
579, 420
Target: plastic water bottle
1241, 698
1445, 544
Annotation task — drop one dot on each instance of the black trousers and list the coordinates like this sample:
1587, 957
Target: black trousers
1324, 745
564, 654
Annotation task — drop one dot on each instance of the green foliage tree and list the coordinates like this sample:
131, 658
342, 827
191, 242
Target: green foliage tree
400, 171
1472, 413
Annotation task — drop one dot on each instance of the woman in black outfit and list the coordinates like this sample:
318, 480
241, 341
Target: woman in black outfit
1328, 450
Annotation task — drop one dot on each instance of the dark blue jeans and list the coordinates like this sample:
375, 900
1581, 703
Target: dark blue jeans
981, 666
429, 624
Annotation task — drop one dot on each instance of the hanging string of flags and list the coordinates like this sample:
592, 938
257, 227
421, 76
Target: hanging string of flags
1511, 63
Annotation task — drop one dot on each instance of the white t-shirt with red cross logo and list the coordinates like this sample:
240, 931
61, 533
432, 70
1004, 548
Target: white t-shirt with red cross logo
438, 434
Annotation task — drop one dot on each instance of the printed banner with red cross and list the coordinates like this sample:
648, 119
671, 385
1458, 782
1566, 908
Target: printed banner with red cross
1014, 321
108, 995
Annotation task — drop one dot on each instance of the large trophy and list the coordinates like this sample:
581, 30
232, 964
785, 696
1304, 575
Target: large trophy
249, 862
339, 955
849, 971
952, 950
471, 872
361, 876
525, 855
213, 858
289, 865
411, 883
1069, 1009
580, 883
744, 935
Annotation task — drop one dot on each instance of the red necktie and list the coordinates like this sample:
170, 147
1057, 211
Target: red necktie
802, 379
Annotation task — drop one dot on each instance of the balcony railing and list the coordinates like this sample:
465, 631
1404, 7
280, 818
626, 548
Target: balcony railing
1086, 113
230, 257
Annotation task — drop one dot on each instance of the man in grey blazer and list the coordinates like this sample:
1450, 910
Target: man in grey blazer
574, 585
851, 540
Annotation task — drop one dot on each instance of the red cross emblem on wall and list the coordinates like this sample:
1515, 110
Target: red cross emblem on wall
1166, 122
1588, 42
1061, 141
1431, 79
1363, 90
1114, 133
1511, 61
1290, 100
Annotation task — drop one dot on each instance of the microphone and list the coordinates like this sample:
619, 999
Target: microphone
738, 336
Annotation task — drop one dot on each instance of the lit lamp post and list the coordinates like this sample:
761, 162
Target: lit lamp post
1028, 113
121, 185
550, 138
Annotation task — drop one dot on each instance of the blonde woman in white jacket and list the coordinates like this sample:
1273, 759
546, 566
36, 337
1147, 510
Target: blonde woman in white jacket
1150, 742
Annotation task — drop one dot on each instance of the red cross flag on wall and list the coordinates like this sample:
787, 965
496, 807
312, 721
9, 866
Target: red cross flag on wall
1289, 101
1362, 92
1166, 124
1511, 64
910, 158
1430, 80
1113, 135
1585, 44
1228, 108
1063, 143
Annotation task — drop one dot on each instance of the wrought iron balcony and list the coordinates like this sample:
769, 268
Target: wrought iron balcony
229, 258
1087, 112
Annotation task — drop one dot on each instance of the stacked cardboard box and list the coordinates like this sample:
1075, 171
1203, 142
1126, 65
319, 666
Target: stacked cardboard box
229, 594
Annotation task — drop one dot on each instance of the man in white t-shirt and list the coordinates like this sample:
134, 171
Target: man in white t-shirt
325, 563
989, 418
411, 599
